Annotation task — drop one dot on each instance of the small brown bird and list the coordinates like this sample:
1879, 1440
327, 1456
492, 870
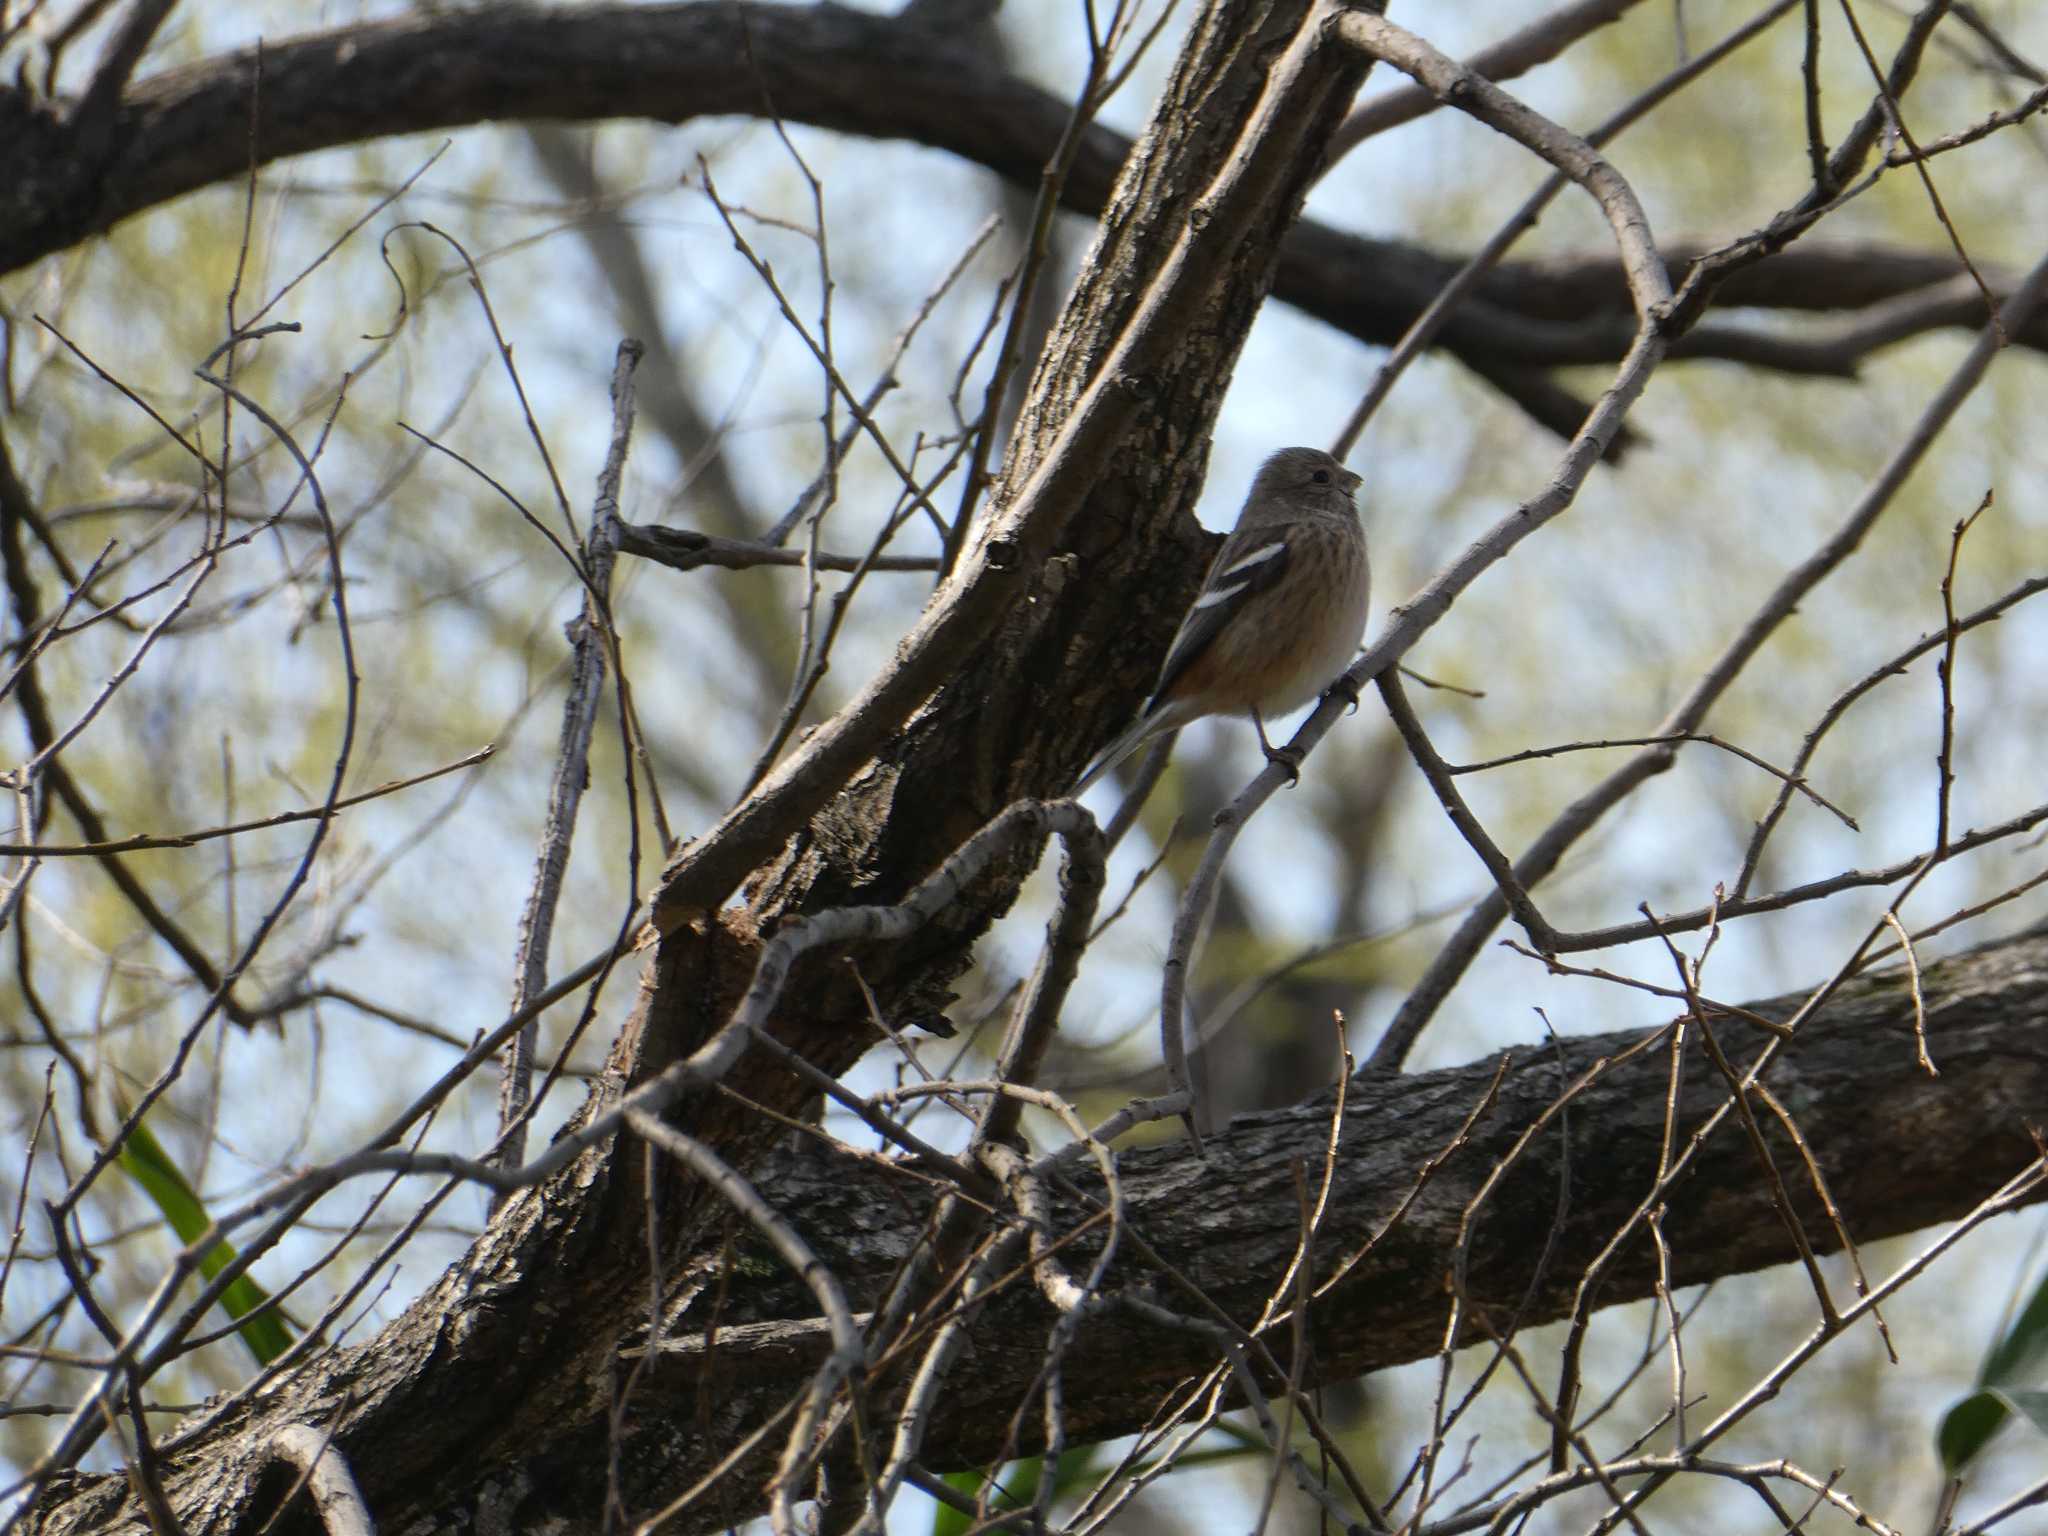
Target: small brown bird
1280, 614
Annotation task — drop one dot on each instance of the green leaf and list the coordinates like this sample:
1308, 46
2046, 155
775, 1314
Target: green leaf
1967, 1428
1970, 1425
143, 1158
2024, 1344
1018, 1485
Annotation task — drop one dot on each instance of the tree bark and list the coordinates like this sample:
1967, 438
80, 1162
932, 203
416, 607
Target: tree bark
871, 76
511, 1356
500, 1399
1900, 1151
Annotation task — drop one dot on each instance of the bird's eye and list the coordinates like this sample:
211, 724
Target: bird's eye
1321, 477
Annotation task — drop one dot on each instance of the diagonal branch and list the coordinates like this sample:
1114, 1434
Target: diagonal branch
866, 75
1014, 544
595, 639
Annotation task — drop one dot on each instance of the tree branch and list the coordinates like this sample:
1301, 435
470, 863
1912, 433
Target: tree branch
1899, 1151
875, 77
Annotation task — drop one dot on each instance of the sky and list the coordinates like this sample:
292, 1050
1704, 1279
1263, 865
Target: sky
1592, 630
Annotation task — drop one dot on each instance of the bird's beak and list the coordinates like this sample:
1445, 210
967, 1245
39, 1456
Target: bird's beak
1352, 481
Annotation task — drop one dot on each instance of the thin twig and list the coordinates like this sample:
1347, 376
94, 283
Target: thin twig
1891, 920
1893, 666
146, 841
595, 637
1945, 673
1578, 818
1791, 781
1438, 773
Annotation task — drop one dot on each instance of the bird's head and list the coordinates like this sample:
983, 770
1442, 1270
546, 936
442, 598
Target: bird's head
1308, 479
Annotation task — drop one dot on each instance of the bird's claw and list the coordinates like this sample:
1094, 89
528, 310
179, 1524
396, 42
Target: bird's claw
1286, 757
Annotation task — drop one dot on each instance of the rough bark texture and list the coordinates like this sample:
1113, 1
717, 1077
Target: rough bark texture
510, 1357
872, 76
1900, 1151
490, 1404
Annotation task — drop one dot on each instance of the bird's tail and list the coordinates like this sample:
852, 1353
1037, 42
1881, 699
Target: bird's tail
1146, 726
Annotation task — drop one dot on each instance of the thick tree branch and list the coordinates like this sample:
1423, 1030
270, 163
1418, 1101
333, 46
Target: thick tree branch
874, 77
1257, 179
511, 1355
1900, 1151
505, 1395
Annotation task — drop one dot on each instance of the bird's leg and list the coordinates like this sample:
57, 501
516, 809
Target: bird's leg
1286, 757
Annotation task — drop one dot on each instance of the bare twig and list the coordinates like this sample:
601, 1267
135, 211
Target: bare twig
1781, 1200
326, 1477
594, 639
1827, 1199
1537, 43
1809, 75
1891, 921
145, 841
1094, 90
1891, 667
1014, 543
1792, 782
1580, 816
1897, 122
2036, 101
1438, 773
1945, 673
1800, 895
1037, 1014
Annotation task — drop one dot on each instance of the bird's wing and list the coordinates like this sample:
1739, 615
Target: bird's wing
1251, 560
